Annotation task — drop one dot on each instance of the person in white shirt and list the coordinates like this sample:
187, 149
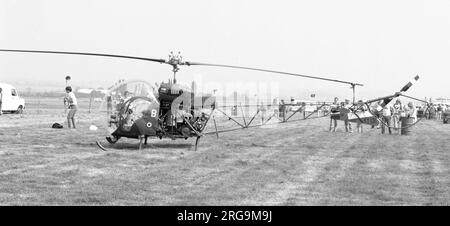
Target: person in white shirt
439, 111
262, 109
362, 109
344, 112
376, 108
334, 115
386, 119
396, 114
411, 111
72, 102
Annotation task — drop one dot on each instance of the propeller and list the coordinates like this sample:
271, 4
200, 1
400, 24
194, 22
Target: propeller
387, 99
177, 60
270, 71
85, 54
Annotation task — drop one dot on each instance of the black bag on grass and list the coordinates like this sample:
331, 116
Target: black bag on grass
57, 126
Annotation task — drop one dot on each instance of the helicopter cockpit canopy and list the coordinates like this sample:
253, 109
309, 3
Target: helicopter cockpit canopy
136, 108
128, 100
124, 90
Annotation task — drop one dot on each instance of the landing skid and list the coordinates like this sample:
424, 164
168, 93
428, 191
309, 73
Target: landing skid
142, 142
101, 146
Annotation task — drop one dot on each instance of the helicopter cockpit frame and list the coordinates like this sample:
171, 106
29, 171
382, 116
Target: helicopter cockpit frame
128, 120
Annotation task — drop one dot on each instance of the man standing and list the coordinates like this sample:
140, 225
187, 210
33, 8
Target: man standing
262, 109
282, 110
109, 104
359, 123
432, 111
334, 116
386, 119
411, 111
439, 112
347, 110
397, 109
1, 98
72, 102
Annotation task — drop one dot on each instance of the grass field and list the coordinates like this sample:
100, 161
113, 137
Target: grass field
292, 164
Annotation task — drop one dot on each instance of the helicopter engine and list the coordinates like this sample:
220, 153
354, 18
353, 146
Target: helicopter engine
185, 119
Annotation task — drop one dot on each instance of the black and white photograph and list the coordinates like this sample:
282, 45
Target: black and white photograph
237, 103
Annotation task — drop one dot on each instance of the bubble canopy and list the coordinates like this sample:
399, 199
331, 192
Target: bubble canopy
124, 89
122, 96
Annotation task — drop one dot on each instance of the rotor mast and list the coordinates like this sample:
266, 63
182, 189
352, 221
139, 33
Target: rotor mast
174, 61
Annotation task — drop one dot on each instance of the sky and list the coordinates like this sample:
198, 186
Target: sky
381, 44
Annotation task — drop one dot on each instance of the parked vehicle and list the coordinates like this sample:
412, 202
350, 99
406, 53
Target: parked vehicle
11, 101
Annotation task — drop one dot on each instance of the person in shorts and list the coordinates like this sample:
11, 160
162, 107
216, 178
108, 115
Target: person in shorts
334, 116
344, 115
362, 110
72, 103
386, 117
397, 109
439, 112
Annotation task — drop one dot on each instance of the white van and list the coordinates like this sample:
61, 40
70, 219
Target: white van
11, 102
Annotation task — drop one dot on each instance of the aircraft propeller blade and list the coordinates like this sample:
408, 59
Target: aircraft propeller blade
405, 88
179, 62
387, 99
85, 54
271, 71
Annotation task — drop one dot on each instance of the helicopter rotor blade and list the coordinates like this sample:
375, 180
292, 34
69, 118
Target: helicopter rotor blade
85, 54
271, 71
176, 63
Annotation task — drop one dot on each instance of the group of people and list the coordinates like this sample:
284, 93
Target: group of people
390, 115
340, 110
436, 111
387, 116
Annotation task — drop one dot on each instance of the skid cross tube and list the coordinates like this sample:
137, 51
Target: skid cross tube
231, 118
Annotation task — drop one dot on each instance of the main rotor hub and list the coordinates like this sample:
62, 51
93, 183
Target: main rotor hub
175, 60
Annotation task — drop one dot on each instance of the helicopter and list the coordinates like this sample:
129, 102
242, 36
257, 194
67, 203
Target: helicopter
172, 110
167, 111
